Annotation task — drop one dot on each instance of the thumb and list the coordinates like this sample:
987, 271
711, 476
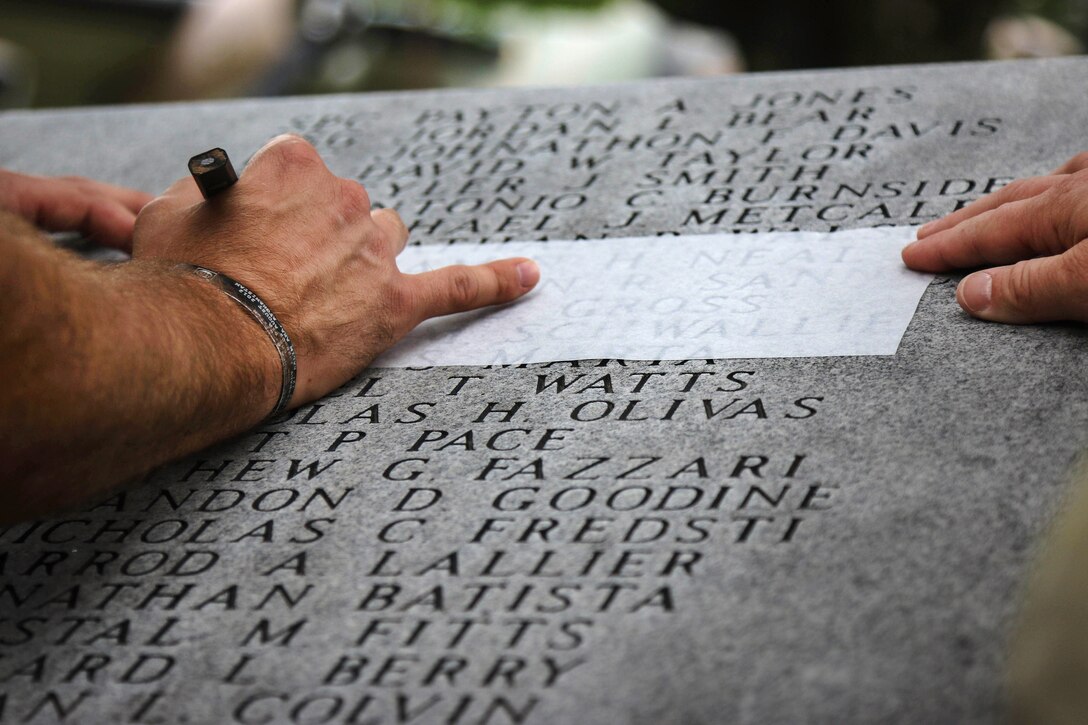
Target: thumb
1037, 290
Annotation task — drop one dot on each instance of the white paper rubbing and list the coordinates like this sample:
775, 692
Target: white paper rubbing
782, 294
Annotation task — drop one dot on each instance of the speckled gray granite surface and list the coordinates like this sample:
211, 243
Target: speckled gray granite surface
827, 540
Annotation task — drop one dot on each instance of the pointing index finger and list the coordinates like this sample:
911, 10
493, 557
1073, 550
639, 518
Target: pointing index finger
460, 288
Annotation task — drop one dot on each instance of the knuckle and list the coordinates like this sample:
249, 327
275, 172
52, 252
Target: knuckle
152, 208
353, 197
1018, 289
960, 239
1053, 221
395, 218
970, 246
294, 151
1062, 189
1077, 268
464, 287
944, 256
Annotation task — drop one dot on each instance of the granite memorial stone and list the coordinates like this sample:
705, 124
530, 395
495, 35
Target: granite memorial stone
826, 539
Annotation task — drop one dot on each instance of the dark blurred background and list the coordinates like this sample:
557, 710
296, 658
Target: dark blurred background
78, 52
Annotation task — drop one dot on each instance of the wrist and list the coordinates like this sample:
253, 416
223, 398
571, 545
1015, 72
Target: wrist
255, 307
250, 373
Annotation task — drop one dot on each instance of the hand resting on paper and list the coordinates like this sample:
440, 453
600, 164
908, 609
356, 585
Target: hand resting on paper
1031, 238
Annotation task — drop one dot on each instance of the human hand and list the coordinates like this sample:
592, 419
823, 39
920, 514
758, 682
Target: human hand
308, 244
102, 212
1035, 229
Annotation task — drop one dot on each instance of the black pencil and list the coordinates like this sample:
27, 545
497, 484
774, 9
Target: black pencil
213, 172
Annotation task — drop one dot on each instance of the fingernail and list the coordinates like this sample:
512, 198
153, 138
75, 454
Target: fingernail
976, 291
528, 274
924, 229
910, 245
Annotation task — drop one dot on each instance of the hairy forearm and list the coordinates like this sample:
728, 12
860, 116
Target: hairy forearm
109, 371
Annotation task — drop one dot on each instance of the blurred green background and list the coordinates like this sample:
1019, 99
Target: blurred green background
79, 52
